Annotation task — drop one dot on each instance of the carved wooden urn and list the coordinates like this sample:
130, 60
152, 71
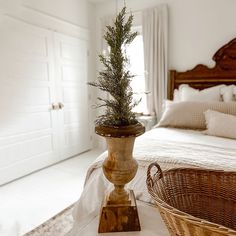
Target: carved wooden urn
119, 210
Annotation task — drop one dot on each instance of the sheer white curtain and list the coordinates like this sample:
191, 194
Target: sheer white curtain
155, 40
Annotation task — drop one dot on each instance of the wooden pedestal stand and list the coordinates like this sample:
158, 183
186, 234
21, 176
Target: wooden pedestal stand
119, 210
119, 218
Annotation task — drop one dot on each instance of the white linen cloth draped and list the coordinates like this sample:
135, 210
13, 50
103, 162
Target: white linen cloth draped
155, 40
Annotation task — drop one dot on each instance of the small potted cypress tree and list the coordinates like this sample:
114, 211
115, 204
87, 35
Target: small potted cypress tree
119, 126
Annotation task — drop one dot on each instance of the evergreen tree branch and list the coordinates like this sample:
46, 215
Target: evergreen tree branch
115, 78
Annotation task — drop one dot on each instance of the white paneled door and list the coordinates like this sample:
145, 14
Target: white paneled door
39, 68
72, 92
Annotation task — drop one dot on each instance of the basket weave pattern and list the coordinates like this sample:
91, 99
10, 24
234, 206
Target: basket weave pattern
195, 202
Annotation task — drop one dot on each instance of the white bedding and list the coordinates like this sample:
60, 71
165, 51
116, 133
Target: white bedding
170, 148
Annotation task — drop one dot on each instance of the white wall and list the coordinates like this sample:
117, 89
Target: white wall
74, 11
68, 16
197, 28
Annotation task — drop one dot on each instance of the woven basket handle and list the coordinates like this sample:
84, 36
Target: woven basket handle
158, 175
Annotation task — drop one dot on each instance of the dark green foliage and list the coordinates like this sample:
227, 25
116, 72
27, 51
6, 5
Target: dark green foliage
115, 78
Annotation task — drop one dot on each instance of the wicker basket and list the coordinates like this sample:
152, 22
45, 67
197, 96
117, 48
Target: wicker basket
195, 202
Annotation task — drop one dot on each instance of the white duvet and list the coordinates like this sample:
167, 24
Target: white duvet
170, 148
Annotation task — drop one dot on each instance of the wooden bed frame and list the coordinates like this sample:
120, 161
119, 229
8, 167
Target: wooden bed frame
201, 76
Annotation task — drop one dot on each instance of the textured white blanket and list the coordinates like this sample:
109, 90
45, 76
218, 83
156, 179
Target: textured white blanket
170, 148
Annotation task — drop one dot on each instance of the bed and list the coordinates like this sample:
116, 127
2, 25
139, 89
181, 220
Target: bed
171, 147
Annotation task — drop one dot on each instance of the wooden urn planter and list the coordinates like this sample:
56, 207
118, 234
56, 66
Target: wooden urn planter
119, 210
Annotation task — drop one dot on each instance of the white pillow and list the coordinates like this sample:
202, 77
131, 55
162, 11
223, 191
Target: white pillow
190, 115
209, 94
227, 93
234, 93
176, 97
177, 93
220, 124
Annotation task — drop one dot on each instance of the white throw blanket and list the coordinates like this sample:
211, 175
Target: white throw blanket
170, 148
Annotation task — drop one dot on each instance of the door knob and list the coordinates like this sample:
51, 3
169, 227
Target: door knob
61, 105
55, 106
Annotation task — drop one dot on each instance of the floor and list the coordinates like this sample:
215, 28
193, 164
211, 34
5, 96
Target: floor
31, 200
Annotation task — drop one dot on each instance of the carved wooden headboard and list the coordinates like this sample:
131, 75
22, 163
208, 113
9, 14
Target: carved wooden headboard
201, 76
